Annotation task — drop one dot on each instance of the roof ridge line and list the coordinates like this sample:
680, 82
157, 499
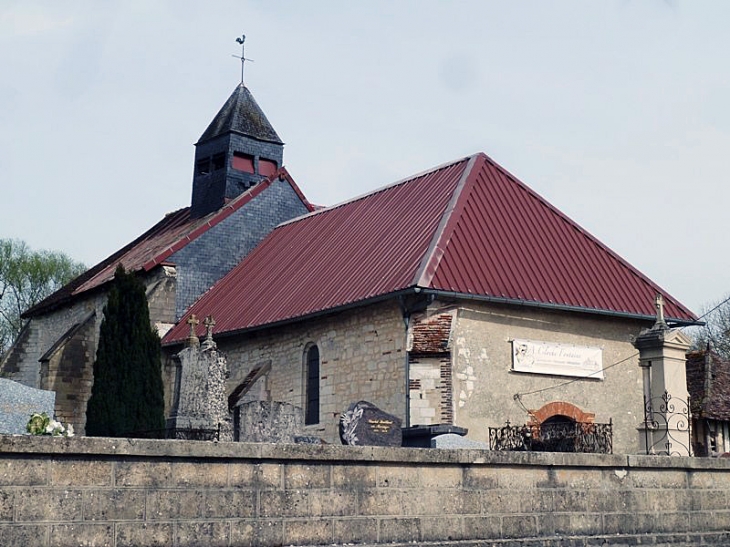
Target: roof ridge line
593, 239
377, 190
442, 235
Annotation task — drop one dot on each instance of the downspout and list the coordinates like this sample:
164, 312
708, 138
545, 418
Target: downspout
407, 322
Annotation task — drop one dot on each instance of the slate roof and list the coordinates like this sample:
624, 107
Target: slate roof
156, 245
241, 114
464, 229
708, 399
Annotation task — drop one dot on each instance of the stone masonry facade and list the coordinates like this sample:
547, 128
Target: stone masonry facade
120, 492
58, 349
362, 357
485, 385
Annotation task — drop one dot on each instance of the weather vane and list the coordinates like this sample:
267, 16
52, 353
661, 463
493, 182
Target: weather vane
241, 40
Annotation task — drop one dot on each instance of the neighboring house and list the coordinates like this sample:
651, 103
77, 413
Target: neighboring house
708, 381
455, 296
240, 193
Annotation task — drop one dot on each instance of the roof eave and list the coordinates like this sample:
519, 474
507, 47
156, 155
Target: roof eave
313, 315
561, 307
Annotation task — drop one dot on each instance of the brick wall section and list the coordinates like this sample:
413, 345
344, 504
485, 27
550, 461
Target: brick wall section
209, 257
115, 492
362, 357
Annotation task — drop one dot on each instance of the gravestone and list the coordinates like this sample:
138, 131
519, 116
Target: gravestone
364, 424
452, 440
268, 422
201, 402
18, 402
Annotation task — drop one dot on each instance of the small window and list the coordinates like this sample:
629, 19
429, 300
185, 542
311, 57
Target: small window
311, 391
202, 167
243, 162
219, 161
267, 167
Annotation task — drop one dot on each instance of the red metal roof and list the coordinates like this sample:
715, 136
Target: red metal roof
467, 228
158, 243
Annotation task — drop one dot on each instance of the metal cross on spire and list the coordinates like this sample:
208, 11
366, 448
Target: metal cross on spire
241, 41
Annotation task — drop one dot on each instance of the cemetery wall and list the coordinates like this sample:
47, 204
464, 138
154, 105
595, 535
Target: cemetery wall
84, 491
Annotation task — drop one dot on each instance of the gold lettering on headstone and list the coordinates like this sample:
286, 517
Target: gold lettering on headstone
380, 426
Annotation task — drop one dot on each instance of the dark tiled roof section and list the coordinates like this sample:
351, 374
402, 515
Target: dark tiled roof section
157, 244
432, 335
241, 114
712, 403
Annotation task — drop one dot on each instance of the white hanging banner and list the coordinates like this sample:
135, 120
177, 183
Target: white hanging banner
557, 359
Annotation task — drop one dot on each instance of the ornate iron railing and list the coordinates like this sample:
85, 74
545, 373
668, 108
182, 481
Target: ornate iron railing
559, 437
668, 426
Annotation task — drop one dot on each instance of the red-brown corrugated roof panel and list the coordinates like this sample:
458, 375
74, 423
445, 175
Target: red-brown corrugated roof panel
466, 228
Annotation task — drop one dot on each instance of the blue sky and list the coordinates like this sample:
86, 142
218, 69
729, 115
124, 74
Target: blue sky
617, 112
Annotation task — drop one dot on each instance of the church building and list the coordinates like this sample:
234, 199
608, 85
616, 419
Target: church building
457, 296
241, 191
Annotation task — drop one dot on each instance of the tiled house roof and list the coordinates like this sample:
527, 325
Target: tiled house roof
708, 382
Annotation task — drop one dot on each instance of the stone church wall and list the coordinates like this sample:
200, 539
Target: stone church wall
213, 254
484, 383
50, 356
362, 357
95, 491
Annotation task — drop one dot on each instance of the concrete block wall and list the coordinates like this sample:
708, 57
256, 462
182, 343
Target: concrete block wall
84, 491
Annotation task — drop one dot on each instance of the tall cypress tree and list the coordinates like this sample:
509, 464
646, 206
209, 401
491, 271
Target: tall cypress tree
127, 394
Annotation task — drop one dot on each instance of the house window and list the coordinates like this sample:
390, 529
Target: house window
311, 385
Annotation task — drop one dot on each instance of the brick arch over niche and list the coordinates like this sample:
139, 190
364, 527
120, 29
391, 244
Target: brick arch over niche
560, 408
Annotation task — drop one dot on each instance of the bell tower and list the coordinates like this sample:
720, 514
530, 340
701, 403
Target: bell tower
237, 150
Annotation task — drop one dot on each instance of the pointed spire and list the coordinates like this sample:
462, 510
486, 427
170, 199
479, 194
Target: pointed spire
241, 114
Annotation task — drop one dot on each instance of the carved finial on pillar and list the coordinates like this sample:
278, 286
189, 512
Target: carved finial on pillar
660, 322
209, 323
193, 339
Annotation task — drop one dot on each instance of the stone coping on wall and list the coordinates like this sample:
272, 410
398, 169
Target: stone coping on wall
170, 449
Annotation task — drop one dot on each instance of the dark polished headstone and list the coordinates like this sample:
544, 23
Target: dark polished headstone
364, 424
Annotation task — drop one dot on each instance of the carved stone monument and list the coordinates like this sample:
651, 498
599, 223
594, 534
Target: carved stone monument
18, 402
201, 401
268, 422
364, 424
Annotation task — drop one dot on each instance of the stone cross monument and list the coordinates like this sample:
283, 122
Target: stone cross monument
201, 401
662, 356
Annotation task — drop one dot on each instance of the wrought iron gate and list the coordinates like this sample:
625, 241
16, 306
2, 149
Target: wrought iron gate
668, 426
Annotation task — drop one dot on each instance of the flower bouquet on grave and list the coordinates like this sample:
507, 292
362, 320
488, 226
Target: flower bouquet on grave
42, 424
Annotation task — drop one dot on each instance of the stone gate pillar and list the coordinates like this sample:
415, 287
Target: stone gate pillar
662, 357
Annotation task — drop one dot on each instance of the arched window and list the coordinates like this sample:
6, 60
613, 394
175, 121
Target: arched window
311, 385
